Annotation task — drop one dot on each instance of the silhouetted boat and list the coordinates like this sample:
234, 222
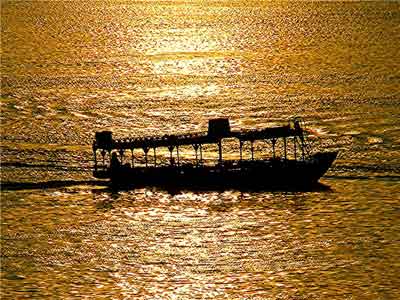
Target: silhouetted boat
302, 169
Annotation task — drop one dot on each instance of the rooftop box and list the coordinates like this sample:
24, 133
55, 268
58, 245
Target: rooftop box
104, 139
219, 128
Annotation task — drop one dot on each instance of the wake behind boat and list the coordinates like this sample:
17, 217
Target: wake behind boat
300, 169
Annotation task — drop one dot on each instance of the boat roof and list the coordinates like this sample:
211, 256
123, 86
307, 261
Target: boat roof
213, 136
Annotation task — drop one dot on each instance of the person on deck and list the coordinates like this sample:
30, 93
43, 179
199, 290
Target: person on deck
115, 163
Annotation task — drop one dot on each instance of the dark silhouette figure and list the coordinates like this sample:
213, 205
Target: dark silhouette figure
115, 164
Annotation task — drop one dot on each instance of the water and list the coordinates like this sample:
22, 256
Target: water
142, 68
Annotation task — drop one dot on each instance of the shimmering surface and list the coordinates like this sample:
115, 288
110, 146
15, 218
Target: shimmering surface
139, 68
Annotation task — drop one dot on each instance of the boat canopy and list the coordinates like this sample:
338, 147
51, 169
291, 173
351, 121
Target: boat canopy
218, 129
268, 133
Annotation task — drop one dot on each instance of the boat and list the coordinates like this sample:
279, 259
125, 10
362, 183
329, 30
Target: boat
293, 165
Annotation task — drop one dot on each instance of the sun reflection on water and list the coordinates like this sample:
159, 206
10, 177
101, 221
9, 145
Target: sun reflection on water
181, 92
199, 66
189, 52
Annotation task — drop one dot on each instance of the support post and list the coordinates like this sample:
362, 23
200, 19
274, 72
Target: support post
171, 159
146, 150
132, 158
103, 154
201, 153
121, 154
273, 148
155, 156
295, 149
241, 149
177, 154
196, 147
220, 151
95, 159
284, 147
252, 150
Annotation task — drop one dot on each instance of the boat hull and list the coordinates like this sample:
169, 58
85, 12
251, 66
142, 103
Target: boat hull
280, 173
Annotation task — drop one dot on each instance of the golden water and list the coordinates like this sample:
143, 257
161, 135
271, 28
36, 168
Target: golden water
158, 67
